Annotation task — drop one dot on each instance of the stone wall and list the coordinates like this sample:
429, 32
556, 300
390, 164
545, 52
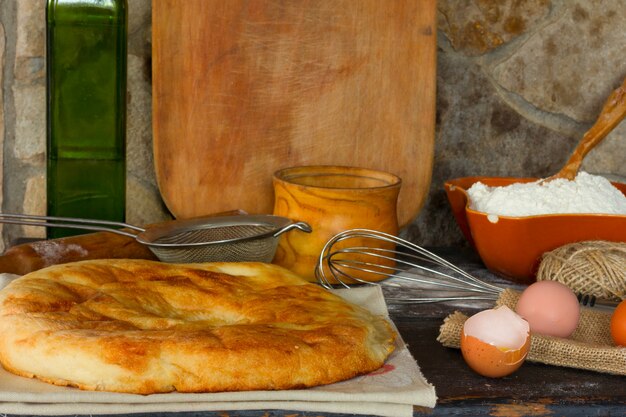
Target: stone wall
518, 85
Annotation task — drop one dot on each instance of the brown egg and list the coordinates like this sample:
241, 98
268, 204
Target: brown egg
551, 308
495, 342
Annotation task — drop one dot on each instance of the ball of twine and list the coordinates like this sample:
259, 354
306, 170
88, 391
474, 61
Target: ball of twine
594, 267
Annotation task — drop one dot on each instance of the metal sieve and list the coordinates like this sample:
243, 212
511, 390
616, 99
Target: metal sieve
202, 239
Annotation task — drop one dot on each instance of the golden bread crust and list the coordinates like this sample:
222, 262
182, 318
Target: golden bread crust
146, 327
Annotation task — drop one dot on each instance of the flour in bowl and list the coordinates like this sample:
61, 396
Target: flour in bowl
585, 194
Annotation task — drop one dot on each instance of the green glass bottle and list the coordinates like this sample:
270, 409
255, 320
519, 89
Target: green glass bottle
86, 110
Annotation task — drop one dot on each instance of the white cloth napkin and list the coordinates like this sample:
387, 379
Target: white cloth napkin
391, 391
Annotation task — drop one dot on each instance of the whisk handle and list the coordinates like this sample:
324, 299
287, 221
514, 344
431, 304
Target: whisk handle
587, 300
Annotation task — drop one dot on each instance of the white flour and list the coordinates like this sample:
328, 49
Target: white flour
586, 194
52, 252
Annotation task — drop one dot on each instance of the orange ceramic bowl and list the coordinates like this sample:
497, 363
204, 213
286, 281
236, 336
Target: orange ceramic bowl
513, 246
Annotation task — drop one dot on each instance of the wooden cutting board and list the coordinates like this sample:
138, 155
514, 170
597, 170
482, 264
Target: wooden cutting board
244, 88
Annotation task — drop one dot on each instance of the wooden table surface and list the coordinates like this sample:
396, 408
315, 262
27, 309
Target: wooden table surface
534, 390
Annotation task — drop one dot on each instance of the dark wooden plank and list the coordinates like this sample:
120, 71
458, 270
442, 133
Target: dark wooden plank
477, 408
454, 381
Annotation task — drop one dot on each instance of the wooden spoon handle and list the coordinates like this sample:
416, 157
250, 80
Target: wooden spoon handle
611, 115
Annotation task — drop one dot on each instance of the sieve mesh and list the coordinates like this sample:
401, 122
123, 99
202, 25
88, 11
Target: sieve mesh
243, 247
216, 234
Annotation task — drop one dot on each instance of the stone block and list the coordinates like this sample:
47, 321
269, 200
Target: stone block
30, 70
570, 65
35, 203
31, 28
477, 27
139, 20
143, 200
608, 156
139, 156
30, 123
143, 203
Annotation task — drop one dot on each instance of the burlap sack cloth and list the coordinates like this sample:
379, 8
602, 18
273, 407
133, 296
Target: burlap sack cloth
590, 347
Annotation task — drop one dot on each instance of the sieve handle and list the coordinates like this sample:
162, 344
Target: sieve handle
297, 225
69, 222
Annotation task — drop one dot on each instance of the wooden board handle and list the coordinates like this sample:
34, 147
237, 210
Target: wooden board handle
28, 257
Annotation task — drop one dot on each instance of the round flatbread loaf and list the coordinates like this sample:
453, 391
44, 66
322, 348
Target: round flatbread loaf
146, 327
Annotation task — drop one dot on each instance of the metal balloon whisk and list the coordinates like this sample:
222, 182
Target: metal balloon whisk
362, 256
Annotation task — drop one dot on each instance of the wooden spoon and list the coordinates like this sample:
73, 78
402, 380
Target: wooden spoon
611, 115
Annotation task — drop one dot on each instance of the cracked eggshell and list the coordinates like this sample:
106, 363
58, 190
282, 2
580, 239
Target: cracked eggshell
495, 342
